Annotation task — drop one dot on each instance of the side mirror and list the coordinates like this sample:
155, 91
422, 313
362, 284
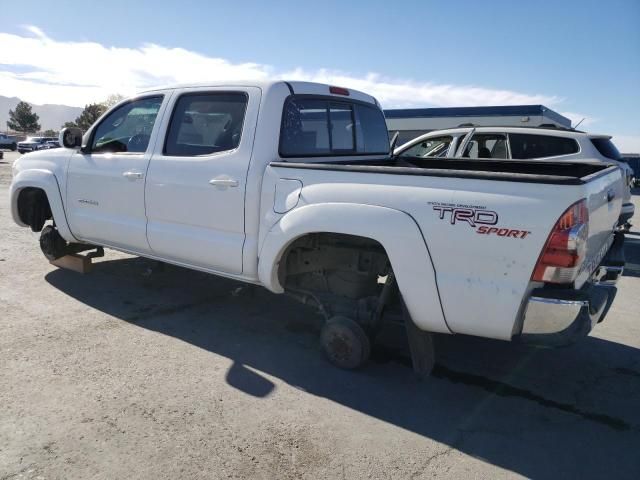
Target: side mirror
70, 137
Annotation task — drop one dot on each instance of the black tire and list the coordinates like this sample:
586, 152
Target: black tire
345, 343
14, 147
52, 244
40, 214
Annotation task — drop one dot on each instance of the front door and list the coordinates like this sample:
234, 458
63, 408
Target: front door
195, 191
105, 184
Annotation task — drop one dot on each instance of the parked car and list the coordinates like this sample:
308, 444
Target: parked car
524, 143
51, 144
8, 142
32, 144
291, 185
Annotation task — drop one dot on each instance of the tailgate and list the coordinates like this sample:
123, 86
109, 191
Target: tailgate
604, 194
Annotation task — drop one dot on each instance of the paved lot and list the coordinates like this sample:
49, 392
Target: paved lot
138, 371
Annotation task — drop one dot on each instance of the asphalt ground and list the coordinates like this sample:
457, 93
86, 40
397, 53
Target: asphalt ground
149, 371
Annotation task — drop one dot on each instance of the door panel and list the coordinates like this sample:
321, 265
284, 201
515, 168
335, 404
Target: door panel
105, 191
196, 180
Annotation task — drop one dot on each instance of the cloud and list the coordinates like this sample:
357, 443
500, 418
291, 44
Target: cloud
40, 69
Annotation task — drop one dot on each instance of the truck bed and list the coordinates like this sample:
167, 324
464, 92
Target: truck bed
491, 271
529, 171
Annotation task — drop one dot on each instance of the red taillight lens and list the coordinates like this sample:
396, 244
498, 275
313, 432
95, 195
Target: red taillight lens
566, 246
339, 91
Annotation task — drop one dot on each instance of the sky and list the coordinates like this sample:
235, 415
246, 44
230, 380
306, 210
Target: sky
580, 58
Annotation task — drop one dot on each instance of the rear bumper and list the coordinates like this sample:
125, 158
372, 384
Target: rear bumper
551, 321
557, 317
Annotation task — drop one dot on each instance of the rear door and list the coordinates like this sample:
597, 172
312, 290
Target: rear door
197, 177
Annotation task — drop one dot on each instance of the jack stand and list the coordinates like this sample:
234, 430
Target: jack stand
78, 263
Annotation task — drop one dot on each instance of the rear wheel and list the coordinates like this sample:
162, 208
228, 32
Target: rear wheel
14, 147
345, 343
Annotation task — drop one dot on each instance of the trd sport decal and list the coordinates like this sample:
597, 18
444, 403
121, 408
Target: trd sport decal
477, 217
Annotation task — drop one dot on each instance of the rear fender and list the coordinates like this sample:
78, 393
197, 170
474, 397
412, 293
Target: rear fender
45, 180
395, 230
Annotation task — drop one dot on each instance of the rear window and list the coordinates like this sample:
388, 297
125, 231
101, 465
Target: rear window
326, 127
606, 148
525, 146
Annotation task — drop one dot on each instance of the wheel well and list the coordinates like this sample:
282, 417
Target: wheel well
343, 273
33, 208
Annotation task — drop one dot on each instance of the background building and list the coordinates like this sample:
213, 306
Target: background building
412, 122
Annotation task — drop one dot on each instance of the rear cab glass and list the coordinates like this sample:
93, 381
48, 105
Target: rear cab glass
325, 126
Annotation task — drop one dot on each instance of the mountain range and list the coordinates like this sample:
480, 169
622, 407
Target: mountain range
51, 116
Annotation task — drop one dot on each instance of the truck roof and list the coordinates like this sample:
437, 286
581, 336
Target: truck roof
295, 86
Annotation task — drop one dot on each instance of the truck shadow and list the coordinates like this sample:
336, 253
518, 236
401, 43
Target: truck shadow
539, 413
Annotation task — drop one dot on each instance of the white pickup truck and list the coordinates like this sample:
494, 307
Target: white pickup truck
291, 185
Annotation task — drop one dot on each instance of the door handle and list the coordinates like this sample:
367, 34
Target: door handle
133, 175
223, 182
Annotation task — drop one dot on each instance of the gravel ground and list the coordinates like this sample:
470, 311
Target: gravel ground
145, 371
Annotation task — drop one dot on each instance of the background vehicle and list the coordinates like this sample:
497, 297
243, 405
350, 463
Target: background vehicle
291, 185
32, 144
50, 144
8, 142
521, 143
633, 160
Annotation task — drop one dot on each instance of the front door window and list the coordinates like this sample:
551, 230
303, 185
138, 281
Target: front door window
127, 128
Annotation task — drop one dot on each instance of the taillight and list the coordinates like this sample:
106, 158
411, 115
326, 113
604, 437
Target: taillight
566, 247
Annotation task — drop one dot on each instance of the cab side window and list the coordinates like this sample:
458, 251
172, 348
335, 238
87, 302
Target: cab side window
127, 128
206, 123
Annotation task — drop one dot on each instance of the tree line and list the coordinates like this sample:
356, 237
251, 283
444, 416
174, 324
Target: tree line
23, 119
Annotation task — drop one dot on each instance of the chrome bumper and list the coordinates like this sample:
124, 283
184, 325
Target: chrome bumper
560, 317
551, 315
